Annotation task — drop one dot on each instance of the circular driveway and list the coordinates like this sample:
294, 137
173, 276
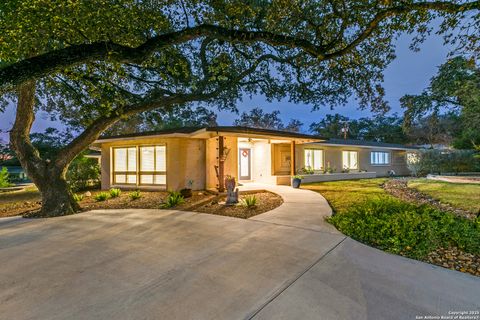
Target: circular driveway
166, 264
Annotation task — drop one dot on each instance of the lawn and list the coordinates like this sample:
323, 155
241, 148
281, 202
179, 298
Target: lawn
461, 195
343, 194
365, 212
17, 202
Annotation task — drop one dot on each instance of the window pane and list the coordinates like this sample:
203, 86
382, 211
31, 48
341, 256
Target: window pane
353, 160
345, 159
132, 159
160, 179
120, 178
317, 159
120, 156
147, 159
146, 179
308, 158
132, 178
161, 161
387, 156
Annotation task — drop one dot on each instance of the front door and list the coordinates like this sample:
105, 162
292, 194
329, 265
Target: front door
244, 164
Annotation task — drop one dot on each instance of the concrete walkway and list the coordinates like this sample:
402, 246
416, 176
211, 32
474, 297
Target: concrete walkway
301, 208
167, 264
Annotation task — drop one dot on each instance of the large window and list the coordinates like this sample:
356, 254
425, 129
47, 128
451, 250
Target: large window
379, 158
125, 165
350, 160
143, 165
313, 159
152, 165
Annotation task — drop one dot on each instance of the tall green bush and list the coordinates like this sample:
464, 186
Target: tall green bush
83, 173
4, 178
447, 161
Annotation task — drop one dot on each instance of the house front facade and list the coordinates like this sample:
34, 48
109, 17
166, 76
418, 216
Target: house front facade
200, 158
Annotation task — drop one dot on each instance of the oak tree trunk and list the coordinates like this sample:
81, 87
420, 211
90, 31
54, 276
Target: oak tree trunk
47, 174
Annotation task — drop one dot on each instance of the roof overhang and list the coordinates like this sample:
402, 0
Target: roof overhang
365, 146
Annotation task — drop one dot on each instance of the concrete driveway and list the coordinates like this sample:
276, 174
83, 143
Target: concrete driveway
165, 264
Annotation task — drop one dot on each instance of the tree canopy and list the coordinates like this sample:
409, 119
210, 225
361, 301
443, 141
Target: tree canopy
257, 118
379, 128
453, 93
92, 64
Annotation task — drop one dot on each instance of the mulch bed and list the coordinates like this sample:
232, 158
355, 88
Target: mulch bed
148, 200
200, 201
451, 258
266, 201
399, 188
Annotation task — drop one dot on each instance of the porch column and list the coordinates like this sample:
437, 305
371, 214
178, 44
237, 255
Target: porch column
292, 158
221, 164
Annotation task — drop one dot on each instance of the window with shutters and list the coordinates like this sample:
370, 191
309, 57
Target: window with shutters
125, 165
140, 165
153, 170
379, 158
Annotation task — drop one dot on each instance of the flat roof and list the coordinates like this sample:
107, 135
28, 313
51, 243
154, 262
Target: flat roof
197, 131
364, 143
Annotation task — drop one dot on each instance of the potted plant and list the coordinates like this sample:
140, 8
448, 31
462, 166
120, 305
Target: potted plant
187, 192
296, 181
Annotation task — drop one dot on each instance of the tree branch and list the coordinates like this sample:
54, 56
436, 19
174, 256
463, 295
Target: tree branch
37, 67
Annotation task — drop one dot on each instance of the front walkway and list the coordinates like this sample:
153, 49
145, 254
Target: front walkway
301, 208
154, 264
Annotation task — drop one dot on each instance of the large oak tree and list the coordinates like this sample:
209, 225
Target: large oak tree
93, 63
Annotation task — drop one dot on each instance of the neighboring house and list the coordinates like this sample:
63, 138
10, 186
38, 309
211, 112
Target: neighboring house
169, 159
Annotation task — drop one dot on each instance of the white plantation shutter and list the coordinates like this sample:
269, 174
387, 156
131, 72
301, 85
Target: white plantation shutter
147, 159
161, 159
120, 156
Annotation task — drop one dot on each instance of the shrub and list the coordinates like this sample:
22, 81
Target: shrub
83, 173
134, 195
174, 199
250, 201
102, 196
77, 197
115, 192
4, 178
451, 161
403, 228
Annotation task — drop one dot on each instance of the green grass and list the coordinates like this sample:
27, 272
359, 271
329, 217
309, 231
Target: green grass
28, 194
343, 194
365, 212
462, 195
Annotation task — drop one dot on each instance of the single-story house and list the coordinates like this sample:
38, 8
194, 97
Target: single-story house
203, 157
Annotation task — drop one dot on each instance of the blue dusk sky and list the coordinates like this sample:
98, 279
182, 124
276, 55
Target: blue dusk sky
409, 73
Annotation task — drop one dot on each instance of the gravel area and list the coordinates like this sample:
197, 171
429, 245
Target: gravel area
455, 259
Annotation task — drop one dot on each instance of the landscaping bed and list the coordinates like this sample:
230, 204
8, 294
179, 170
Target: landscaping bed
29, 201
265, 201
366, 212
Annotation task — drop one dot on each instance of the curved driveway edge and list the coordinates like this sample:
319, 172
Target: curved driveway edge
154, 264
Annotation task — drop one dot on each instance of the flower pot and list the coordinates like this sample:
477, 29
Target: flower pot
296, 182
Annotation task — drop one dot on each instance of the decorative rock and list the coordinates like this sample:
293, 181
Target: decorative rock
87, 194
